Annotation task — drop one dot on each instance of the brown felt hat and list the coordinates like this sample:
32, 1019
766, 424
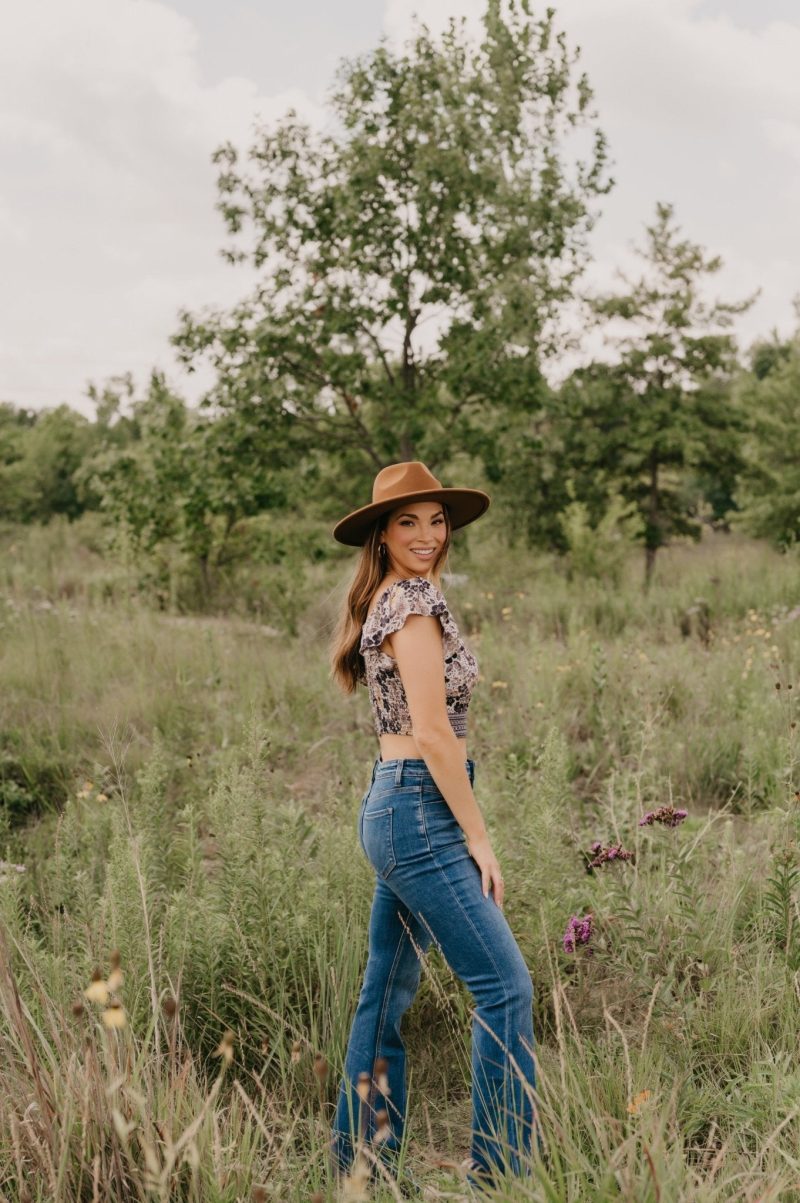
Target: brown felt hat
409, 481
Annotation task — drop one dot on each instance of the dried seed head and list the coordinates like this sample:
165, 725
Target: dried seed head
363, 1086
382, 1075
356, 1182
114, 1016
320, 1067
78, 1009
115, 978
296, 1050
225, 1046
97, 991
259, 1194
114, 958
382, 1129
170, 1007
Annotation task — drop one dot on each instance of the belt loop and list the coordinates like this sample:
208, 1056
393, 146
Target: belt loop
375, 764
398, 772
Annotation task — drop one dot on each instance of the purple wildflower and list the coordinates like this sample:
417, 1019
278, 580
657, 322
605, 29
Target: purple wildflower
612, 852
667, 815
579, 931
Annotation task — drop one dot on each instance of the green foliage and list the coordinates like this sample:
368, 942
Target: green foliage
445, 205
40, 455
663, 407
600, 552
768, 492
780, 904
183, 481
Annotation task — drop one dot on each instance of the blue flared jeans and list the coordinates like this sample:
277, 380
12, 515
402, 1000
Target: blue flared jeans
428, 888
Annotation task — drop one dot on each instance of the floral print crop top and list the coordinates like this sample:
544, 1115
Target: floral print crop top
413, 595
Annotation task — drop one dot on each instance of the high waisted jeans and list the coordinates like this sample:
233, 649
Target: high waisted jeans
428, 887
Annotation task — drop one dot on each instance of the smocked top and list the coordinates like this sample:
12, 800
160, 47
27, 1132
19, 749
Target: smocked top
413, 595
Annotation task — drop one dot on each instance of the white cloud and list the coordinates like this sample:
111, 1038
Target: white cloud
107, 124
107, 219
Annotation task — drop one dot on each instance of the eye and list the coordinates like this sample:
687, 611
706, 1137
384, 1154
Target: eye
405, 521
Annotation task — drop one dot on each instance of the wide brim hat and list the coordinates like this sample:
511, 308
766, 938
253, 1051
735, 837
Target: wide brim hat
409, 481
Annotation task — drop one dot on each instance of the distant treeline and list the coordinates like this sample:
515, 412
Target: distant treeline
415, 265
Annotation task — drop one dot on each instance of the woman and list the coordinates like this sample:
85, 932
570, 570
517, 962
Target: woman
436, 876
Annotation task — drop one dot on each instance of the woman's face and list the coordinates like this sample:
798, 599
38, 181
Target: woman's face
412, 528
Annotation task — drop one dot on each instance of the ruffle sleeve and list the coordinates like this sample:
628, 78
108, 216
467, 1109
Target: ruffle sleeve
414, 595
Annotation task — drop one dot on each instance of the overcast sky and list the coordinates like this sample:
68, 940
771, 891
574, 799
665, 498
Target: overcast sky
110, 109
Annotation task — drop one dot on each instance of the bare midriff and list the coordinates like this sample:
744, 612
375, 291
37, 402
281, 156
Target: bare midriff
395, 747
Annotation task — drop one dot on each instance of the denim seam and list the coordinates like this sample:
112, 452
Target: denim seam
506, 998
385, 1005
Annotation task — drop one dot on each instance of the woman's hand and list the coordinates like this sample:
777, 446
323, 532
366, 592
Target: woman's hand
480, 849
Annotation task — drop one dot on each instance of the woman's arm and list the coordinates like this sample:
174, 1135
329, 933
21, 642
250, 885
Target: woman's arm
417, 649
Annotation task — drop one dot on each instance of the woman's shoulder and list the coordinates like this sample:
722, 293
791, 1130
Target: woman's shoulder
392, 604
404, 591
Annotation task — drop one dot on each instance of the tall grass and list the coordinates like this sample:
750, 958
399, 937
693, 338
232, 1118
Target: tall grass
178, 795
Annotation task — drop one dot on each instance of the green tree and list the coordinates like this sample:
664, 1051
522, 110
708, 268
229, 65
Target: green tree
661, 415
14, 426
768, 492
40, 453
183, 477
413, 258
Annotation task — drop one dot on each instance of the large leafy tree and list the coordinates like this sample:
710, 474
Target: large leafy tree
413, 257
659, 417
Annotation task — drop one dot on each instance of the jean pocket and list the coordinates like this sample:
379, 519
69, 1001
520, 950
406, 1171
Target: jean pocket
442, 828
377, 841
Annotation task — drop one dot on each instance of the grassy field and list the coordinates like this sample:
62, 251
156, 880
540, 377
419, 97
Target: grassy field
178, 797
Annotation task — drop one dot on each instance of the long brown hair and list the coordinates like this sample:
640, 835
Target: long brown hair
347, 663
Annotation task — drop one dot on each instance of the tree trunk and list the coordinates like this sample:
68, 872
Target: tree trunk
653, 532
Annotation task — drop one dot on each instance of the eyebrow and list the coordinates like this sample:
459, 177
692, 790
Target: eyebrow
436, 515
